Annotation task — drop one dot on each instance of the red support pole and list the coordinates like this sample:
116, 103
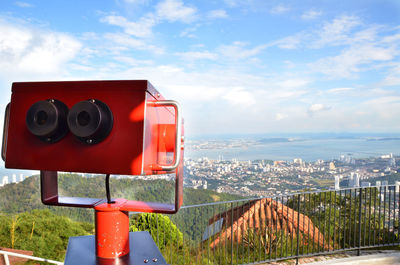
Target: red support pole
112, 230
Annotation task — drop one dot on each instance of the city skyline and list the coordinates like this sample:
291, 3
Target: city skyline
236, 66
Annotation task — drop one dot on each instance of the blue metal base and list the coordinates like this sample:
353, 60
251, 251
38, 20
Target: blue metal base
143, 250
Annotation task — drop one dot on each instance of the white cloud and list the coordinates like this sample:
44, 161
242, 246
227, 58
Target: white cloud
311, 14
175, 10
393, 76
337, 31
289, 42
204, 55
279, 9
142, 28
237, 50
218, 13
25, 51
121, 40
350, 61
316, 108
340, 90
23, 4
280, 116
293, 83
240, 97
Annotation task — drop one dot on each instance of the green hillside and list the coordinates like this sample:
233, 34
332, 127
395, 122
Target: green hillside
25, 196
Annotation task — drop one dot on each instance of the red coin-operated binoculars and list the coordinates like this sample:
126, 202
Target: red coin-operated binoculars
106, 127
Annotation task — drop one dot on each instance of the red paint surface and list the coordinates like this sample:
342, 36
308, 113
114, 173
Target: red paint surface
122, 152
112, 230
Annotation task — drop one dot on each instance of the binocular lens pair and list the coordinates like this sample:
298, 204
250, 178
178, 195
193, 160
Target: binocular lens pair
90, 121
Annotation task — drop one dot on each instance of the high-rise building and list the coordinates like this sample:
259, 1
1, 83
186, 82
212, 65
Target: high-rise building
337, 182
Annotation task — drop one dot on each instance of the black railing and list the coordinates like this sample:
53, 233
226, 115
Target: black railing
283, 227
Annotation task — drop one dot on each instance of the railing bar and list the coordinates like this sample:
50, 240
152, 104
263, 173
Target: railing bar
314, 224
334, 220
398, 219
309, 213
319, 220
390, 204
237, 233
8, 253
226, 231
242, 245
344, 219
390, 197
270, 230
359, 221
350, 221
282, 226
329, 222
375, 198
384, 216
298, 225
379, 215
304, 213
292, 239
394, 215
248, 233
276, 226
260, 229
355, 220
365, 214
340, 219
369, 217
324, 224
287, 226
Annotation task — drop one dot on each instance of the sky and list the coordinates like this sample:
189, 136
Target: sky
236, 66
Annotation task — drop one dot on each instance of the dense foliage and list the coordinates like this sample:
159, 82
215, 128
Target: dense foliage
40, 231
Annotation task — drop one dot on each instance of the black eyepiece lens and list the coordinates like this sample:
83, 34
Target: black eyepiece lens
91, 121
47, 120
83, 118
41, 117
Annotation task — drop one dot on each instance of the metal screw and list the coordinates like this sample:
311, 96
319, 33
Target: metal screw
89, 141
155, 260
158, 95
145, 260
48, 139
51, 100
92, 100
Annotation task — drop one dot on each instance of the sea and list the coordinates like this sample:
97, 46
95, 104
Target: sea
309, 148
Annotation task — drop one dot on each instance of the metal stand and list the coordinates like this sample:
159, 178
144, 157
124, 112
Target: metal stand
143, 250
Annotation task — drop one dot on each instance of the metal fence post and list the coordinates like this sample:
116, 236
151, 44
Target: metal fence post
359, 223
298, 229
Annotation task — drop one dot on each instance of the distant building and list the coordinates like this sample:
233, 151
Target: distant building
298, 161
332, 166
397, 183
365, 184
378, 183
337, 182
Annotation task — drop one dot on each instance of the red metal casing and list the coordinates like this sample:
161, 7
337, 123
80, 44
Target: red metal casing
142, 136
143, 139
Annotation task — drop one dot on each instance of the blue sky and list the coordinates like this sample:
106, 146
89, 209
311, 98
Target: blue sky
236, 66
